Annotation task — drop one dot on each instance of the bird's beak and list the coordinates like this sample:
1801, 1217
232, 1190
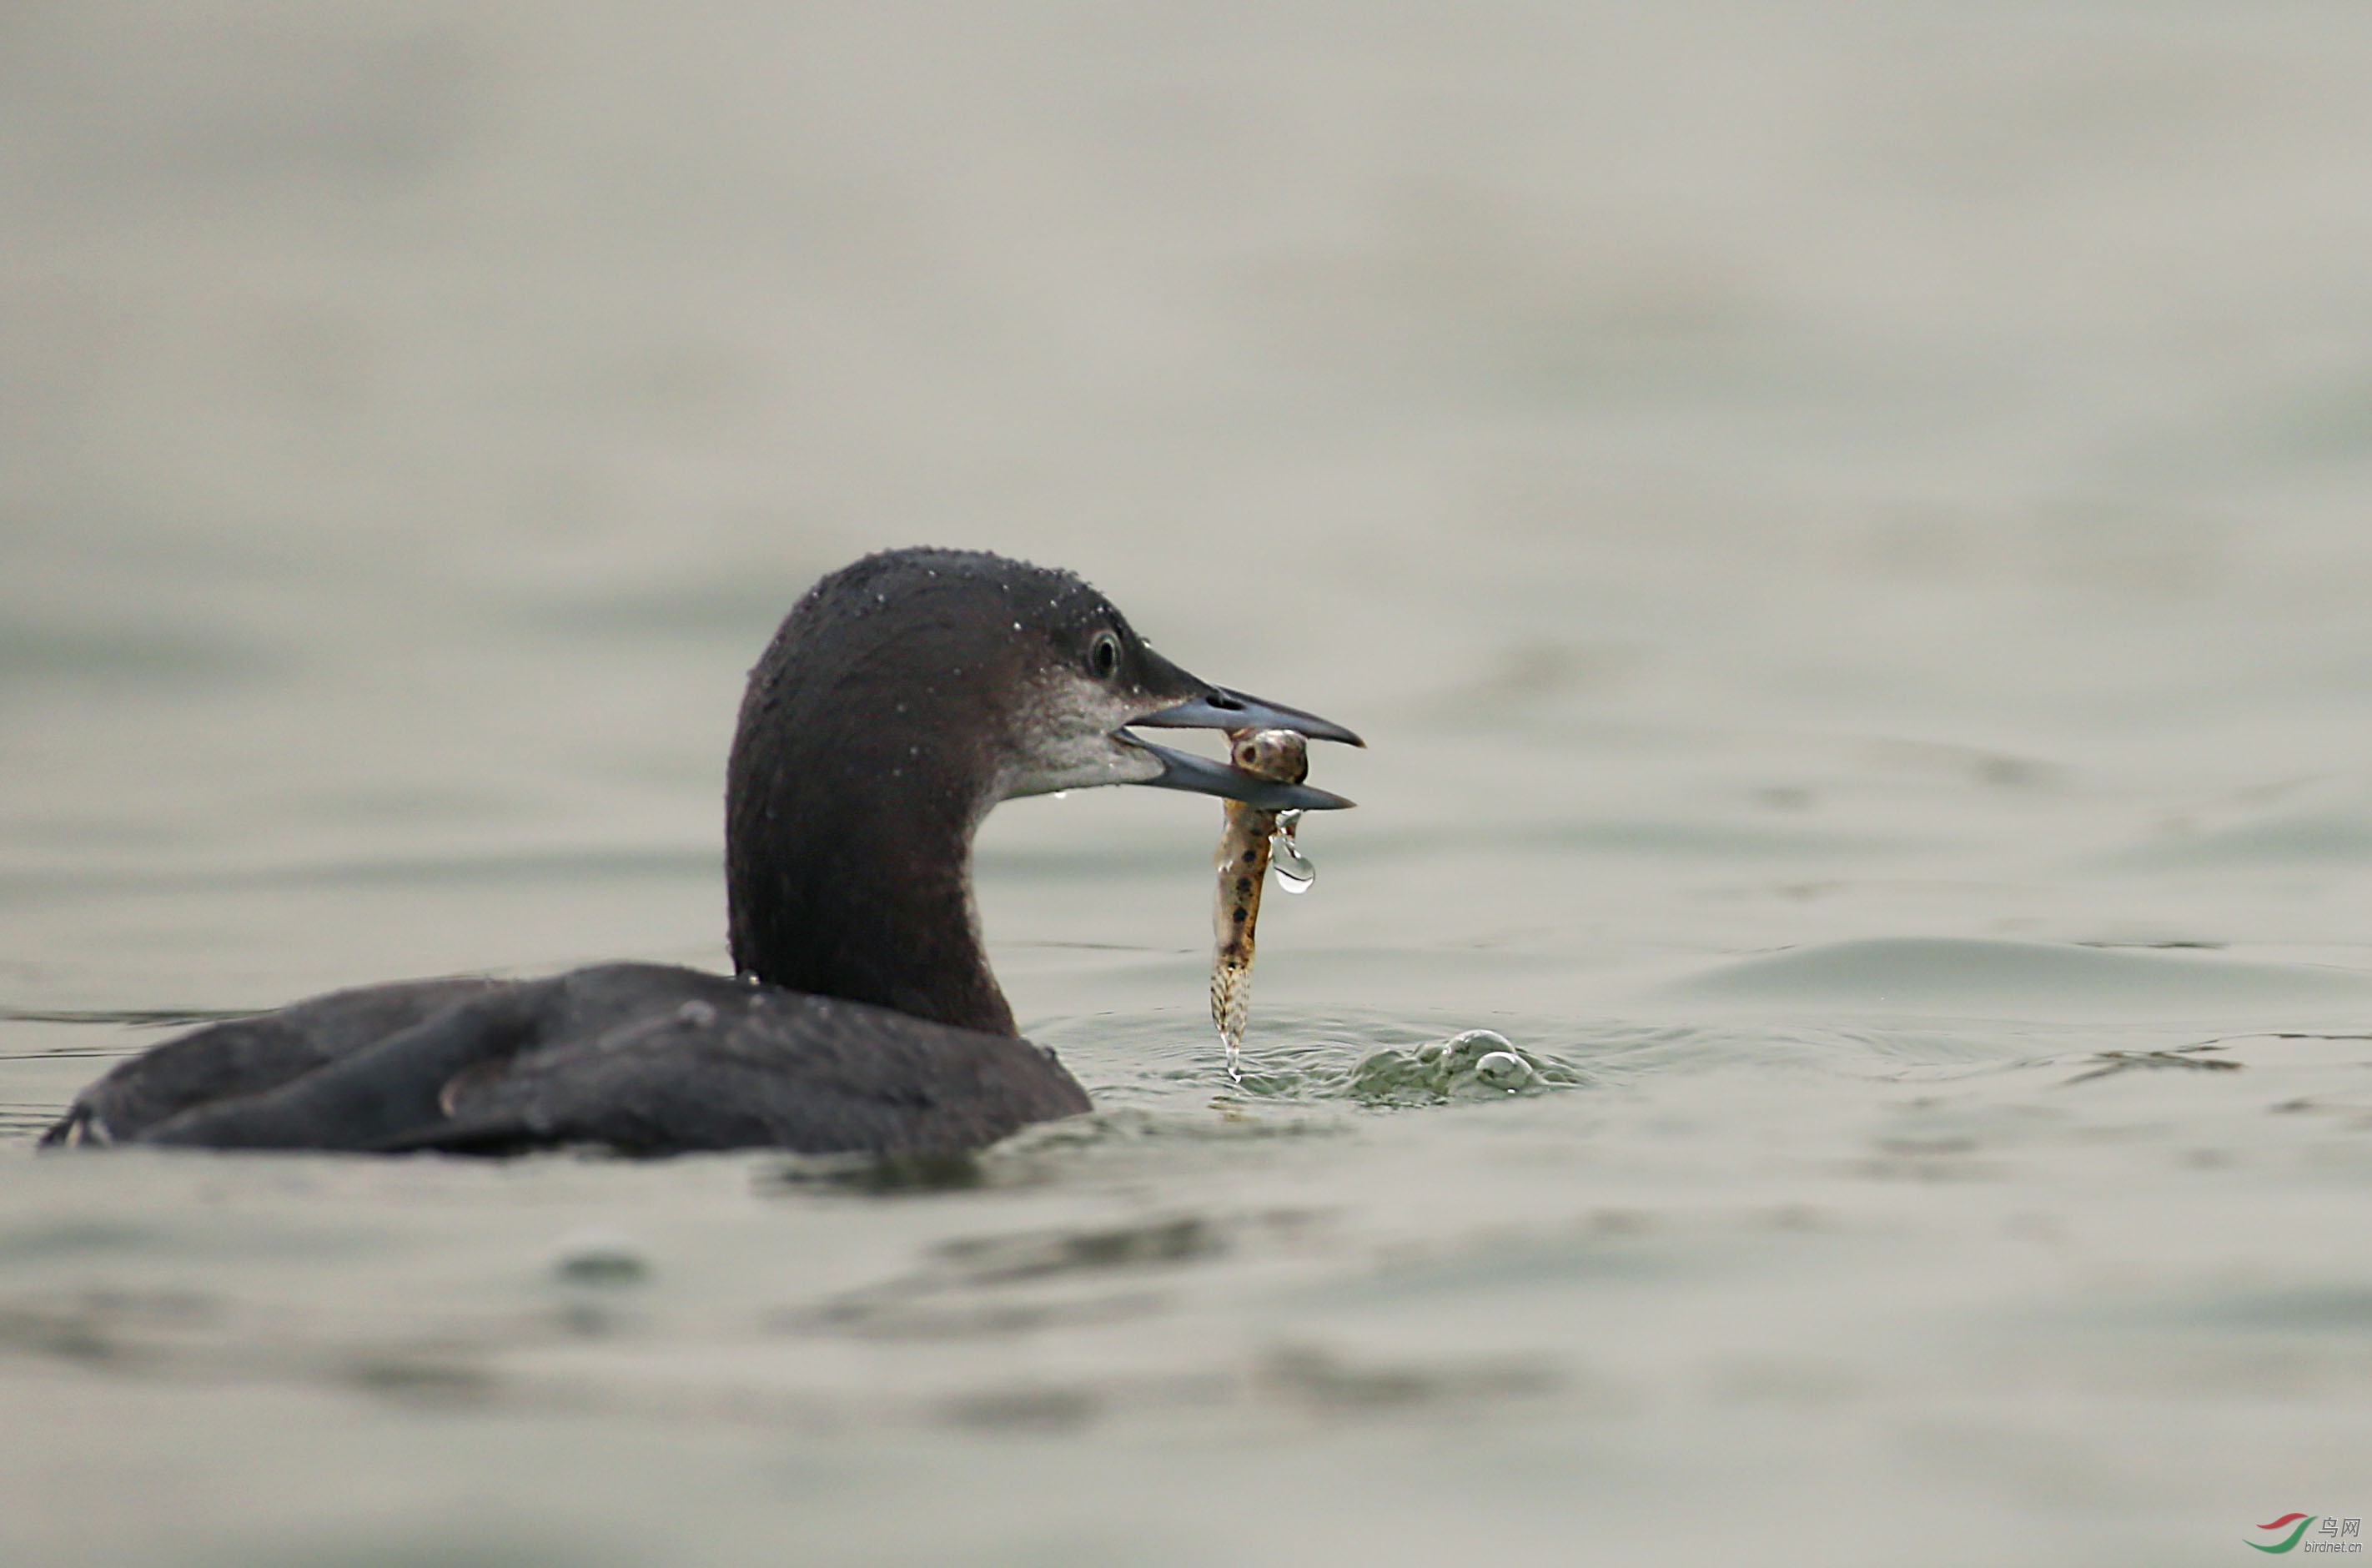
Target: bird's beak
1218, 708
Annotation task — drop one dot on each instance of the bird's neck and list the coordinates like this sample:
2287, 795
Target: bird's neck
852, 877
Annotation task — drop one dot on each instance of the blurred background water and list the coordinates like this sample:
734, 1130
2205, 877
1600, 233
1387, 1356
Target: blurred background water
1845, 529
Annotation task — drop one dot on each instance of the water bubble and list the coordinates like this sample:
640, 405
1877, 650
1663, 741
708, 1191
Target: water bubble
1503, 1070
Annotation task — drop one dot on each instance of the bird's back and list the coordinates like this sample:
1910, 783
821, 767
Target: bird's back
639, 1058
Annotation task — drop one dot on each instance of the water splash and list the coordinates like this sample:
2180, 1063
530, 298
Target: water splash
1476, 1064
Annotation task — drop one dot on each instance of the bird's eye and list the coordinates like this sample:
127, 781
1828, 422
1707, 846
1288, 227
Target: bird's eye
1104, 655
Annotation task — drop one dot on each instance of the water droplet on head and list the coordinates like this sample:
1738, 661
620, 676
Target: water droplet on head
599, 1255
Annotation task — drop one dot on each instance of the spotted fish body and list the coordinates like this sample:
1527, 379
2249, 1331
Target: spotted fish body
1243, 857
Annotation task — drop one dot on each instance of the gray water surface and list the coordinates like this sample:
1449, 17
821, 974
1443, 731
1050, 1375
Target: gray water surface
1846, 534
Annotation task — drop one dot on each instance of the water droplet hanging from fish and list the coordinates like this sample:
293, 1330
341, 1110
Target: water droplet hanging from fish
1294, 872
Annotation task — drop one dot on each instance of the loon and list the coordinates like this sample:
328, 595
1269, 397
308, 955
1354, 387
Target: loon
901, 699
